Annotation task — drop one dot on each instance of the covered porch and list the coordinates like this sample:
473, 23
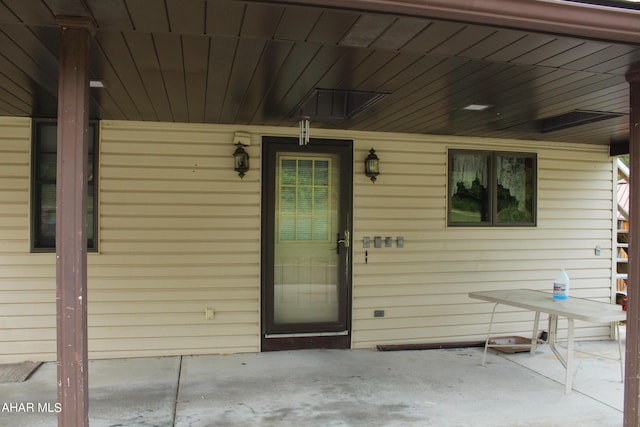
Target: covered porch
178, 264
340, 388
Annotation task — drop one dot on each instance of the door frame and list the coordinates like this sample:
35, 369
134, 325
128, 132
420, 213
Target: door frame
313, 338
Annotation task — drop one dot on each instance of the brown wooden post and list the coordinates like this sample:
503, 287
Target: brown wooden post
632, 353
71, 219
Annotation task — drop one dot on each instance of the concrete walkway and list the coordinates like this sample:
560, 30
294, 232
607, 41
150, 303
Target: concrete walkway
337, 388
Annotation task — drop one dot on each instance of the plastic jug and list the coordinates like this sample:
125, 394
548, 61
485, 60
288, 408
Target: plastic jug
561, 286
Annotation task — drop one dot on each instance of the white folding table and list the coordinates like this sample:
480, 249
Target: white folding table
543, 302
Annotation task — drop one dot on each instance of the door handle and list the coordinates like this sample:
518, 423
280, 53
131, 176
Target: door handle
344, 241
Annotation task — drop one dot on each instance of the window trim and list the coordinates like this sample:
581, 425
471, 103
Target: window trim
36, 124
492, 156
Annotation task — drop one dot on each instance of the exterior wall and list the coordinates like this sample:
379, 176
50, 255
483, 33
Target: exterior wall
424, 287
27, 282
180, 231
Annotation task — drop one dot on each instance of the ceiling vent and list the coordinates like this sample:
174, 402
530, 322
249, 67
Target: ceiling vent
335, 105
574, 118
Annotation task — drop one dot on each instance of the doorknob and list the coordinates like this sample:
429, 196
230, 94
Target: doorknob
344, 241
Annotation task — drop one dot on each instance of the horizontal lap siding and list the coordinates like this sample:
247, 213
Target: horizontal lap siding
423, 288
180, 232
27, 281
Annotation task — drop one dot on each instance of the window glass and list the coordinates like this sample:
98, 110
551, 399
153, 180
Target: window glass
47, 215
469, 187
491, 188
44, 187
515, 189
47, 167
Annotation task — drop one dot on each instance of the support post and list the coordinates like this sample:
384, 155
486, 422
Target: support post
632, 352
71, 219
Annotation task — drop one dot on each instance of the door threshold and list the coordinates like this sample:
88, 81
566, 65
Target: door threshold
306, 341
308, 334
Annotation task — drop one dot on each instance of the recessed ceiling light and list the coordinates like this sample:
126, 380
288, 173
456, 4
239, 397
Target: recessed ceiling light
96, 83
476, 107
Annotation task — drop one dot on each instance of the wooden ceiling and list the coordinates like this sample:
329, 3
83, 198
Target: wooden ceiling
242, 62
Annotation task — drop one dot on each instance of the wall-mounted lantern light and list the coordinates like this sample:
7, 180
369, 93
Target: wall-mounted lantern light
372, 165
303, 125
241, 159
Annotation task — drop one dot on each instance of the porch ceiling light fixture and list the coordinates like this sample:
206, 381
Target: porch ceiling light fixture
241, 159
476, 107
303, 125
372, 165
96, 83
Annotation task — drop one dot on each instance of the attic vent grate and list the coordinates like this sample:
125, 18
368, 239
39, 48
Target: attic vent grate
331, 104
574, 118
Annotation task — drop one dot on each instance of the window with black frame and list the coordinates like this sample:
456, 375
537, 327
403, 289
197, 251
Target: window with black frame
43, 181
491, 188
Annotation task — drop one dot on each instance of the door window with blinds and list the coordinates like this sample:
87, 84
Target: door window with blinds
304, 205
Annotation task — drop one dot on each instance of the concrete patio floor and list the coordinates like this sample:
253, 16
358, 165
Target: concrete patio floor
338, 388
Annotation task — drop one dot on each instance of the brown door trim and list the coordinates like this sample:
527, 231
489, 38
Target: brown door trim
320, 335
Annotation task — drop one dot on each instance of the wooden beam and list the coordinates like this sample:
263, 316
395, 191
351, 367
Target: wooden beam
619, 147
71, 217
632, 352
554, 17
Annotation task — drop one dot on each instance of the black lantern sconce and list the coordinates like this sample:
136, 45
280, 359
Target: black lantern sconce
372, 165
241, 159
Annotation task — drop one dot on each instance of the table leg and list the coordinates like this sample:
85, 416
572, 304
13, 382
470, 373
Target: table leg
553, 328
534, 338
568, 362
620, 351
569, 377
486, 342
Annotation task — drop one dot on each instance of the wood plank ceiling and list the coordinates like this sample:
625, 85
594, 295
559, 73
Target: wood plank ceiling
240, 62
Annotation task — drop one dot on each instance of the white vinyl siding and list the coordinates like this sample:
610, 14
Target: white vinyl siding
180, 232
